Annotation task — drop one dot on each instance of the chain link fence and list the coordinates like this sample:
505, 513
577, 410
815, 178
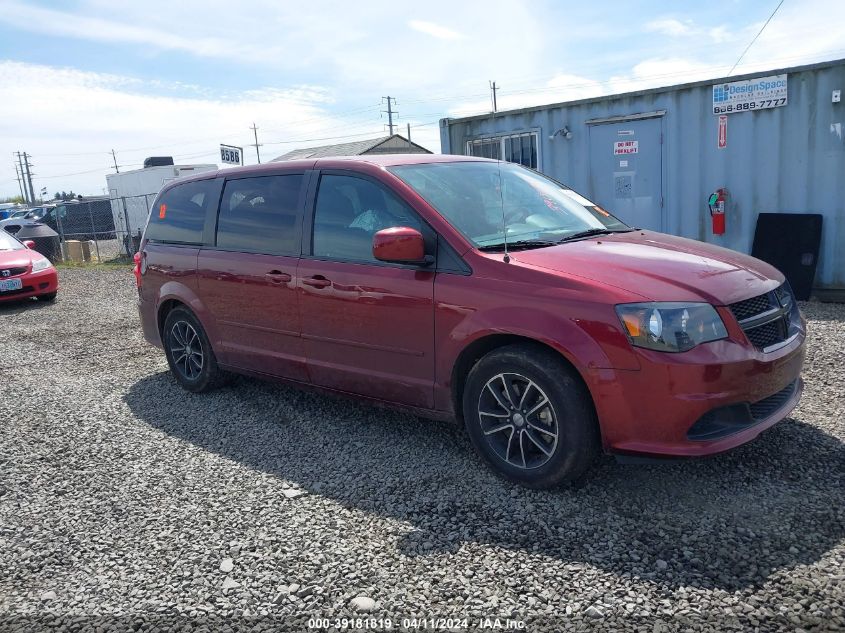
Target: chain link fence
102, 229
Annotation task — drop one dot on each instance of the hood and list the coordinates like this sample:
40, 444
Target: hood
15, 259
659, 267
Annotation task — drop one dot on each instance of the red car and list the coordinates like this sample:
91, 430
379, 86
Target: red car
479, 290
25, 272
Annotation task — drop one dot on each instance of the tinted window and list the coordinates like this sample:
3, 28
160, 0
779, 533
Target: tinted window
261, 215
480, 199
179, 215
349, 212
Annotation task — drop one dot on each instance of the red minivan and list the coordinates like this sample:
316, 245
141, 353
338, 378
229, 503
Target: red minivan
470, 289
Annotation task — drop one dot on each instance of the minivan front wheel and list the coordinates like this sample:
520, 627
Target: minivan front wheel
529, 416
189, 353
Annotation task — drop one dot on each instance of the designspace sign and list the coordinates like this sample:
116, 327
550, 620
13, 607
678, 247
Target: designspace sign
751, 94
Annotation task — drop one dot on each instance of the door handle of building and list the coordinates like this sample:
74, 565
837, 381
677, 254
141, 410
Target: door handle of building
278, 277
317, 281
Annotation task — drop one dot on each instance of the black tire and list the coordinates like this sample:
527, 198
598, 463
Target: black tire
181, 327
49, 297
553, 444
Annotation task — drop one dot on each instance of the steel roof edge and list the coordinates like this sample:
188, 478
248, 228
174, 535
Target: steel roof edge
646, 91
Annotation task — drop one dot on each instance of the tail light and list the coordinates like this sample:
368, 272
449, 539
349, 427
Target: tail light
137, 269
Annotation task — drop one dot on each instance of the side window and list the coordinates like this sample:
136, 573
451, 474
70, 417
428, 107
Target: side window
349, 212
261, 215
179, 215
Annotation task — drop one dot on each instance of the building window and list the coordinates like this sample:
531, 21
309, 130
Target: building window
514, 148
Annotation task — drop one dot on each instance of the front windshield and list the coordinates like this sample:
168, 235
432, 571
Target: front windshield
9, 243
481, 198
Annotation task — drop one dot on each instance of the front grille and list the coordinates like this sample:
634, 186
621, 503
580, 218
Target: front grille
765, 407
752, 307
768, 334
12, 272
767, 319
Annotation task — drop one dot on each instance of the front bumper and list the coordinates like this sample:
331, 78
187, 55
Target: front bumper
664, 408
34, 284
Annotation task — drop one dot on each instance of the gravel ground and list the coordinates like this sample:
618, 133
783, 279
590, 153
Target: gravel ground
129, 504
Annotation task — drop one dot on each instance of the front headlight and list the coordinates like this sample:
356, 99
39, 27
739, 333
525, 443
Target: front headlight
671, 327
41, 264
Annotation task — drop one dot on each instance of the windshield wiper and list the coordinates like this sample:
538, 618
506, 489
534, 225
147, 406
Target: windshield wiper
591, 232
517, 244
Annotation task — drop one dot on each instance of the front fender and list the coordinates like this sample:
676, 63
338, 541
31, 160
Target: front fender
581, 330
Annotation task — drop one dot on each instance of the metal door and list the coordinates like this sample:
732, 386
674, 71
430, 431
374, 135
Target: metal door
626, 168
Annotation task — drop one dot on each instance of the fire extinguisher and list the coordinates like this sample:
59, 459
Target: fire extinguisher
716, 202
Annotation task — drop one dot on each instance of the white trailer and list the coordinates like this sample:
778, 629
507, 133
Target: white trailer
132, 193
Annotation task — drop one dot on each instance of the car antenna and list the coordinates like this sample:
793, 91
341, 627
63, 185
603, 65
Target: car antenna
506, 258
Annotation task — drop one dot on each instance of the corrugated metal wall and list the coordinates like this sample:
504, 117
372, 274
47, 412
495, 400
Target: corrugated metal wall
784, 159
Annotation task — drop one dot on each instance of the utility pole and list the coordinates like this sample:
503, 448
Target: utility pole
256, 145
20, 182
390, 113
493, 88
25, 190
29, 176
116, 170
409, 136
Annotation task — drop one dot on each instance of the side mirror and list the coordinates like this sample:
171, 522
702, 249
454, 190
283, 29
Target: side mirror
400, 244
29, 244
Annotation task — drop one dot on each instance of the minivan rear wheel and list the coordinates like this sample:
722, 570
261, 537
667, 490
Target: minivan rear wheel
189, 353
529, 416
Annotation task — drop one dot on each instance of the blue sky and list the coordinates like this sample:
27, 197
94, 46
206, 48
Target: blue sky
177, 78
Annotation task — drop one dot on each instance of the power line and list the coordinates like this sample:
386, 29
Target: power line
324, 138
196, 140
762, 28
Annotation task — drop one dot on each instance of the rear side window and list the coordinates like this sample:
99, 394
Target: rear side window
261, 215
349, 212
179, 215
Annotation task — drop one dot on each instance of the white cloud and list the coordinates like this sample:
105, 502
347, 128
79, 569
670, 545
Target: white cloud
670, 27
435, 30
72, 127
690, 31
61, 23
561, 87
333, 57
689, 52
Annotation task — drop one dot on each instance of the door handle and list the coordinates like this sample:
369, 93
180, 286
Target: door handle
278, 277
317, 281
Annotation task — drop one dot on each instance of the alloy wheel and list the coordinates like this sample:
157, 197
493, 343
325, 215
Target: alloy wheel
518, 420
186, 350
